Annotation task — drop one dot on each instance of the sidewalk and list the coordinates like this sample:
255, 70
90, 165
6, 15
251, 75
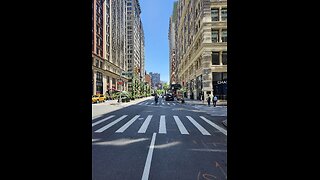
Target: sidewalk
203, 105
197, 102
112, 105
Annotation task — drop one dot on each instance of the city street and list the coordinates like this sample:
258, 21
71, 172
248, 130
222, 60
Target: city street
164, 141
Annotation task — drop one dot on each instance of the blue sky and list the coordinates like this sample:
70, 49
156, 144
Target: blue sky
155, 16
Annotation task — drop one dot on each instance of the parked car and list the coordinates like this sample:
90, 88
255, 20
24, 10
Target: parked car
98, 98
102, 98
169, 97
95, 98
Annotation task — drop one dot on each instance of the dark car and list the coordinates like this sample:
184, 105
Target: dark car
169, 97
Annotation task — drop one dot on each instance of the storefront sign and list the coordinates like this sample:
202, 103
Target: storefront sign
221, 82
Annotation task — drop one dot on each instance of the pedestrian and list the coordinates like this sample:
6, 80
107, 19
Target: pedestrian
215, 99
202, 97
156, 98
209, 100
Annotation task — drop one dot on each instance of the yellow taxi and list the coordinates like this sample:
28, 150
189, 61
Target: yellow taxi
102, 98
95, 98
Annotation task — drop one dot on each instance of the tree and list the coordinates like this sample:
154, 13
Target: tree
165, 87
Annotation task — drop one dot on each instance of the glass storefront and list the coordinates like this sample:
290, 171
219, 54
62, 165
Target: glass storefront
220, 85
99, 83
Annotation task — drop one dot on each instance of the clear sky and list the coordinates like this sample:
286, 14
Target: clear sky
155, 16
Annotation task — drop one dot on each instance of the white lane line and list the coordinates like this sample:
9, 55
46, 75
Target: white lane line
162, 103
173, 103
124, 127
140, 103
146, 103
151, 103
201, 129
145, 125
146, 170
214, 125
98, 122
111, 124
168, 103
181, 127
162, 127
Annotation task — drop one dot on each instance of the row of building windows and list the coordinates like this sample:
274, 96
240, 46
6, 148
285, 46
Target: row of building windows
216, 58
215, 35
215, 15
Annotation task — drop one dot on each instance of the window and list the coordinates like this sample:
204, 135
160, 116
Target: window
224, 57
97, 51
129, 8
214, 14
97, 62
100, 64
214, 35
215, 58
224, 14
224, 35
129, 4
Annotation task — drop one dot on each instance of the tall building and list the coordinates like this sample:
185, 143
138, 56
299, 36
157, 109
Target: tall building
135, 46
118, 61
98, 46
172, 49
155, 79
108, 46
201, 47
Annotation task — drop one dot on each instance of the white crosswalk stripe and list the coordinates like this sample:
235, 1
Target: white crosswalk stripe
200, 128
162, 127
162, 124
111, 124
181, 127
160, 103
145, 125
214, 125
98, 122
124, 127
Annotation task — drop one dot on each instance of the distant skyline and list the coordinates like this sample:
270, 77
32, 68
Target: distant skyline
155, 16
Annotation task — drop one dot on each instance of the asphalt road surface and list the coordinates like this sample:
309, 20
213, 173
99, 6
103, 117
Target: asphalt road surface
164, 141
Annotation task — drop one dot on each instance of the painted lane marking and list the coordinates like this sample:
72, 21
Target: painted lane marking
145, 125
111, 124
214, 125
173, 103
181, 127
151, 103
98, 122
200, 128
162, 103
124, 127
146, 171
162, 127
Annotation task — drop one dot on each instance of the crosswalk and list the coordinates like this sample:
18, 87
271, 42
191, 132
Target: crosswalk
179, 123
164, 103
